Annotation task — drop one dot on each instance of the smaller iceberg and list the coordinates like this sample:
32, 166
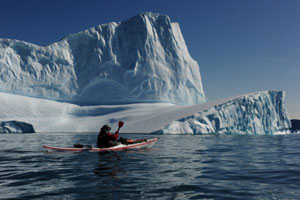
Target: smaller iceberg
257, 113
16, 127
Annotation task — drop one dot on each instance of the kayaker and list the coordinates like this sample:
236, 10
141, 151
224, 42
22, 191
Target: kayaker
106, 139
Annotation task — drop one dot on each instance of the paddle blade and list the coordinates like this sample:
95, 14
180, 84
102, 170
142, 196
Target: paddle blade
120, 124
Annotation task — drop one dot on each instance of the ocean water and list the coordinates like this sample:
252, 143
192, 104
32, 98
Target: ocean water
176, 167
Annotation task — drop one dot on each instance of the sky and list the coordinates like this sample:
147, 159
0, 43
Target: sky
241, 46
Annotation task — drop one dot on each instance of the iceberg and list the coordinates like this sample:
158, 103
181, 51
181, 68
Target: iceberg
138, 71
295, 128
16, 127
257, 113
142, 59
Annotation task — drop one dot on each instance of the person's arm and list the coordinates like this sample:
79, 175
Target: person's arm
116, 135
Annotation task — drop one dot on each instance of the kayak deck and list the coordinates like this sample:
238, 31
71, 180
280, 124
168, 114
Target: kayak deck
146, 144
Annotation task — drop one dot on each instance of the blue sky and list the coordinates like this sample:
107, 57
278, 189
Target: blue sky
241, 46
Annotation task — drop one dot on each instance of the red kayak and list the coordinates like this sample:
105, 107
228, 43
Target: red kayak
136, 144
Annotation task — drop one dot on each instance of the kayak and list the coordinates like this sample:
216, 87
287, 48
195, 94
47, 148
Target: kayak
145, 143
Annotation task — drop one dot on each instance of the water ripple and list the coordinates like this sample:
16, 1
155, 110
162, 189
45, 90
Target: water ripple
177, 167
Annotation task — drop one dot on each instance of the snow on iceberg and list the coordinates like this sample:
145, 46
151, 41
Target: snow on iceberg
144, 58
16, 127
257, 113
52, 116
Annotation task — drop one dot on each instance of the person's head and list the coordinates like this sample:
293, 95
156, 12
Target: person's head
105, 129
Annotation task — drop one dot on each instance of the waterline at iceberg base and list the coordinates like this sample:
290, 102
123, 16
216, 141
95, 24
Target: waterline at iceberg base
257, 113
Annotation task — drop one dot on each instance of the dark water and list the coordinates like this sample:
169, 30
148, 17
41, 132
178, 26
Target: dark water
176, 167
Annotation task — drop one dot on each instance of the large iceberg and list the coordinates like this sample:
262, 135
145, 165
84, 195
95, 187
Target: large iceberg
257, 113
142, 59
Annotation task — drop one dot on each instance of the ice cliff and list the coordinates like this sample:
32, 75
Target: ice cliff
257, 113
144, 58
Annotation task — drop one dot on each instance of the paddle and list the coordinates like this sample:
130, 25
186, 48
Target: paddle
120, 125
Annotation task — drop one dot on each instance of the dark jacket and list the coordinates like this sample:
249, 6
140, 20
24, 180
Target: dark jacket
106, 140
